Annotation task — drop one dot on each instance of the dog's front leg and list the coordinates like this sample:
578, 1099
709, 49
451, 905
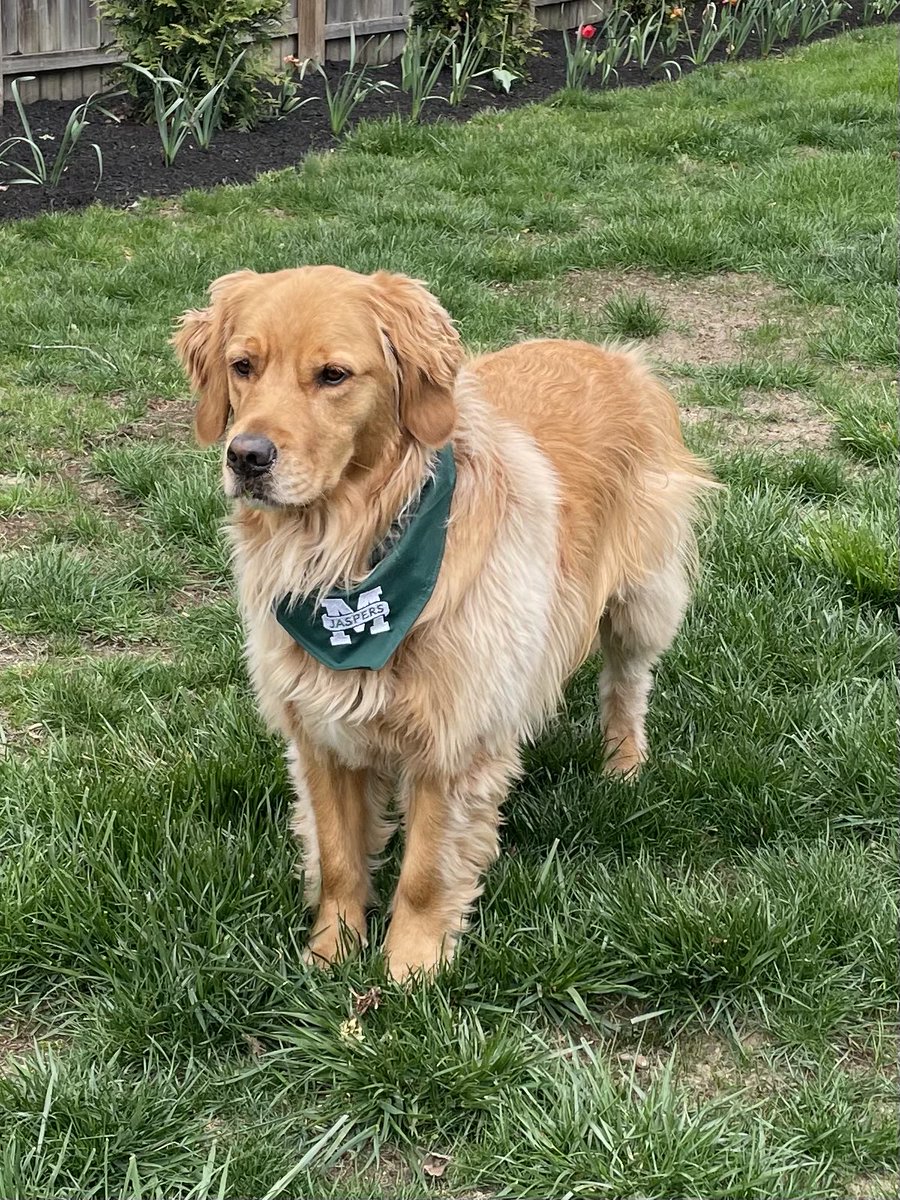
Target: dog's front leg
336, 798
427, 915
451, 840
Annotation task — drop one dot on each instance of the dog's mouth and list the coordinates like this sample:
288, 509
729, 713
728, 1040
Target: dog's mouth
255, 490
262, 493
259, 490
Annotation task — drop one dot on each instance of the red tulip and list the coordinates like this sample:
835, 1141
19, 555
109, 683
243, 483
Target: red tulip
587, 32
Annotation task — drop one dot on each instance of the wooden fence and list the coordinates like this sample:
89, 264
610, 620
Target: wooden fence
66, 45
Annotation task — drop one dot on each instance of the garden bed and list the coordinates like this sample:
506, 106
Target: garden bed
133, 166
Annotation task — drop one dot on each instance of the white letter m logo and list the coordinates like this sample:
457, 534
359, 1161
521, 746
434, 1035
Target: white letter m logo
339, 617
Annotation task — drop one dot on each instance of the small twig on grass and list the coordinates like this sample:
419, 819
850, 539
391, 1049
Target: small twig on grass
65, 346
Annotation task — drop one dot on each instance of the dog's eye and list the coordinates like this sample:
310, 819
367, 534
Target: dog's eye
332, 376
241, 366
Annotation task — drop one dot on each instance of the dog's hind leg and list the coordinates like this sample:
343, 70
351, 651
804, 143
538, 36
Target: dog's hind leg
638, 625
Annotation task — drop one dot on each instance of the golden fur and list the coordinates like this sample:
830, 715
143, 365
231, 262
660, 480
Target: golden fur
571, 521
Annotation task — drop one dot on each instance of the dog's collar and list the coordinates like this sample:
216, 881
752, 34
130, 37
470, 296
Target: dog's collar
360, 628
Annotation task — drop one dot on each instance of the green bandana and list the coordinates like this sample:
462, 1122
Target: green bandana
361, 629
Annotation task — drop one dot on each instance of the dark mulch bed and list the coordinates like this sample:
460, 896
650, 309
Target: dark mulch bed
133, 167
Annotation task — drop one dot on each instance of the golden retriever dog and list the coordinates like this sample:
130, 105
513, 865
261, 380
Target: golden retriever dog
570, 528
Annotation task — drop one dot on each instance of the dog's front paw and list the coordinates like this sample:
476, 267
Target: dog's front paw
625, 756
414, 951
336, 935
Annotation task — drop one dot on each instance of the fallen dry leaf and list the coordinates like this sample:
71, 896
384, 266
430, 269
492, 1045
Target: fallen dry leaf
257, 1049
364, 1002
434, 1165
638, 1060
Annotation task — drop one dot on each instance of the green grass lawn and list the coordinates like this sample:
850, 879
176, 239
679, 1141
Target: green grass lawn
681, 988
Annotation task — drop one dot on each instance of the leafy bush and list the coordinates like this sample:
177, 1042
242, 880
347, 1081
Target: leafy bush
197, 40
505, 28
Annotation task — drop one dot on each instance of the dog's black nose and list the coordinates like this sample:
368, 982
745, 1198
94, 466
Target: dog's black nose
249, 454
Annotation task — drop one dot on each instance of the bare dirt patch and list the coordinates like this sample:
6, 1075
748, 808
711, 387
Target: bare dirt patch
709, 1065
392, 1170
779, 420
708, 317
165, 417
16, 651
18, 1036
74, 470
29, 650
785, 420
101, 496
193, 594
882, 1057
704, 1065
22, 528
18, 529
874, 1187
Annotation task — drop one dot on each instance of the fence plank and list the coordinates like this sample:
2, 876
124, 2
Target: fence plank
60, 60
48, 17
551, 14
9, 39
336, 14
29, 43
285, 42
311, 29
71, 34
9, 27
371, 25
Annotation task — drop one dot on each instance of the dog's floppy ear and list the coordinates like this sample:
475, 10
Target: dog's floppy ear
428, 354
199, 343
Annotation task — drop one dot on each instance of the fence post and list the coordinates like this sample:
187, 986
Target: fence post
311, 30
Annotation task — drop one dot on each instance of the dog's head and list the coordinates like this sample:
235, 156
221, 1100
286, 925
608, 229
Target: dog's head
322, 369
